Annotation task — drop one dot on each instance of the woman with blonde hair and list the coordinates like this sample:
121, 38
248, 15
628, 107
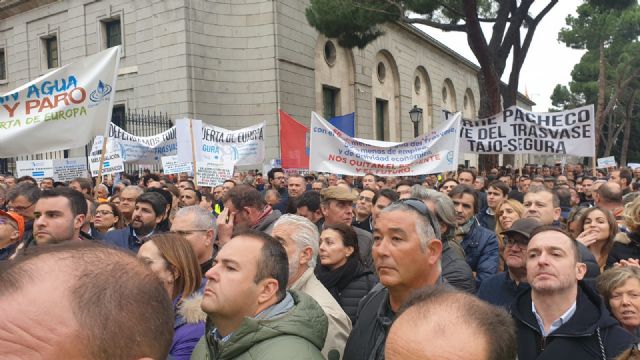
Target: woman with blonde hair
172, 259
627, 243
508, 211
620, 288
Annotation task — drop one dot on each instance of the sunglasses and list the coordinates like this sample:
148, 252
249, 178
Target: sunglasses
423, 210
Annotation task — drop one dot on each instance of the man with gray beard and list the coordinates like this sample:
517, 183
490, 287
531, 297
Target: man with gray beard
300, 238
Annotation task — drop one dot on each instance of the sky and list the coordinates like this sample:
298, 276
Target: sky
548, 61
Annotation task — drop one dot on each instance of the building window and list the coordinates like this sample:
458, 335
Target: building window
118, 116
113, 32
3, 65
329, 101
382, 71
417, 84
382, 116
330, 53
51, 49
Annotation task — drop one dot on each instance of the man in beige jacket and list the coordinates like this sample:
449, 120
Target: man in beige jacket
301, 239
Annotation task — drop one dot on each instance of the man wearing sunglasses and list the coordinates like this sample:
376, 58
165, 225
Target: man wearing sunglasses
501, 289
406, 253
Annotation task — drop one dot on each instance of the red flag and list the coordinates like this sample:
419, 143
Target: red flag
293, 143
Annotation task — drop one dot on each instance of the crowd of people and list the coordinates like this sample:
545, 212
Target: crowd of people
541, 262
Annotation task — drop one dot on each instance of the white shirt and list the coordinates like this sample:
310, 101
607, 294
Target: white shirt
556, 324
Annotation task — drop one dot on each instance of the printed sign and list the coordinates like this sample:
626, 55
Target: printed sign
112, 160
607, 162
517, 131
335, 152
58, 170
212, 174
62, 109
37, 169
171, 165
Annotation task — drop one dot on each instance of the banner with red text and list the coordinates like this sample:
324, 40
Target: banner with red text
333, 151
62, 109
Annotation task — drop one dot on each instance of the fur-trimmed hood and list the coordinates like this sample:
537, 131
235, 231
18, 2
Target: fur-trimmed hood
189, 309
622, 238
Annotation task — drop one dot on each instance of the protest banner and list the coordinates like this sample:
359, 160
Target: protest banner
517, 131
62, 109
58, 170
112, 162
242, 147
607, 162
37, 169
69, 169
633, 166
211, 174
171, 165
334, 152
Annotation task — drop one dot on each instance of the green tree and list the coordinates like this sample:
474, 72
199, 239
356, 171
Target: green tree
608, 30
356, 23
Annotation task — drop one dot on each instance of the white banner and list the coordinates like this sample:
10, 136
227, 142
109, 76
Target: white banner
334, 152
62, 109
241, 147
517, 131
171, 165
59, 170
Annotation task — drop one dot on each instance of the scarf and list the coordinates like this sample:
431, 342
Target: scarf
462, 231
265, 212
338, 279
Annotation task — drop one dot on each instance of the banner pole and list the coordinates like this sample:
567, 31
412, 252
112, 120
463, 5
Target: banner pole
193, 153
107, 127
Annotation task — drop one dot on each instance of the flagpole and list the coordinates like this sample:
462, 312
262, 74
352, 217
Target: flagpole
193, 153
109, 114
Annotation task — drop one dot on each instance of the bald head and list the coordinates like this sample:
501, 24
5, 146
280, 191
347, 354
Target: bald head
610, 193
488, 331
84, 283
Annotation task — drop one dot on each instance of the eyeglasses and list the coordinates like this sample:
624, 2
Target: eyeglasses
103, 212
186, 232
515, 239
423, 210
19, 208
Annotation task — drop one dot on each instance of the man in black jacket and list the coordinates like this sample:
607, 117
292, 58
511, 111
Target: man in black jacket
406, 253
559, 316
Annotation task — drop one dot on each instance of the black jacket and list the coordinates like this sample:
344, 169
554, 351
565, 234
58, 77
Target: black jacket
500, 290
349, 288
627, 246
456, 270
589, 330
374, 319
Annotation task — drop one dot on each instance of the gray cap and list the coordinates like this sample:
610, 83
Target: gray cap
338, 193
523, 226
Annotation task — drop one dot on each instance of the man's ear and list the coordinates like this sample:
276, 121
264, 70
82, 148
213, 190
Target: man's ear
556, 213
305, 255
434, 249
581, 270
78, 221
267, 290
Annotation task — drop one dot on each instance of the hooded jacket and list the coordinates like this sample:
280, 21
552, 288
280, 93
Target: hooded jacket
188, 326
591, 333
297, 334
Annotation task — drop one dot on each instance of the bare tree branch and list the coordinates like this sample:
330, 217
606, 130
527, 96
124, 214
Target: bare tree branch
435, 24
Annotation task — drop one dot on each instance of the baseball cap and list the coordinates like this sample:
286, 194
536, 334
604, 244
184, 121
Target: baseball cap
338, 193
17, 218
523, 226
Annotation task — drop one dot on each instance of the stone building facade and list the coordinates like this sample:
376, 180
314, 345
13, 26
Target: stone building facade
234, 63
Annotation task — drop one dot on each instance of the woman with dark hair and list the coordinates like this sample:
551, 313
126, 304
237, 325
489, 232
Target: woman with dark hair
171, 257
107, 218
341, 270
598, 228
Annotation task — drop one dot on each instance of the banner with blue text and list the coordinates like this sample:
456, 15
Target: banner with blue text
62, 109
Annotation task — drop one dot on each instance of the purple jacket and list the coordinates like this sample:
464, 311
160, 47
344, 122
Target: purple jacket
189, 326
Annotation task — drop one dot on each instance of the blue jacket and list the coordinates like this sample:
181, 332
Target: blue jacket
123, 238
487, 221
481, 248
500, 290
